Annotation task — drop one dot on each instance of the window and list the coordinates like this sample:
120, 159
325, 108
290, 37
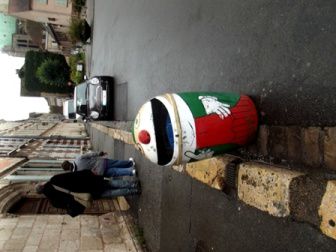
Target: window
42, 1
62, 2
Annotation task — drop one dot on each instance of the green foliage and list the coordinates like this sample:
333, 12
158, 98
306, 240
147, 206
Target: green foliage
76, 76
78, 5
21, 72
33, 60
79, 30
53, 72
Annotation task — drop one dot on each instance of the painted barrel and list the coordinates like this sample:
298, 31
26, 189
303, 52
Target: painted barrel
176, 128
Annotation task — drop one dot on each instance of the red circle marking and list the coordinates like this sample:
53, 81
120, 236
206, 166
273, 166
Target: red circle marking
144, 137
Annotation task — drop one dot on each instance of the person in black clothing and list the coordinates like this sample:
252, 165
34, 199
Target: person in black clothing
83, 182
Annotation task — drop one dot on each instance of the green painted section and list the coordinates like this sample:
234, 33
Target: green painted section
7, 28
196, 106
219, 149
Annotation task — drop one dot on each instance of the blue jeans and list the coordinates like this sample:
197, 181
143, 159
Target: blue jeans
117, 168
119, 187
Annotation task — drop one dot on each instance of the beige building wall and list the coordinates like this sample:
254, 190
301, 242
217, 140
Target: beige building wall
4, 6
51, 44
23, 43
48, 13
33, 129
69, 130
7, 127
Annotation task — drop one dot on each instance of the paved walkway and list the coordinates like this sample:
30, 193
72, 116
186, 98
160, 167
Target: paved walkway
28, 233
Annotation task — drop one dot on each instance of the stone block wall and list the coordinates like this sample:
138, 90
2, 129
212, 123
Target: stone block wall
312, 147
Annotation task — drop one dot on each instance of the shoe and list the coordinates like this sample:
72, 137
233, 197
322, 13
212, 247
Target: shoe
134, 191
135, 184
134, 172
132, 160
137, 188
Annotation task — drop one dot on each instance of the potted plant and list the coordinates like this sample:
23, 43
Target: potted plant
79, 30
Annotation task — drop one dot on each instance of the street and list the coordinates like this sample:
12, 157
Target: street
281, 53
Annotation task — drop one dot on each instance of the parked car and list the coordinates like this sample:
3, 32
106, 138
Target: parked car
69, 109
94, 98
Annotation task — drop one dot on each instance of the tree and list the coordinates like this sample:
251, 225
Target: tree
53, 72
32, 83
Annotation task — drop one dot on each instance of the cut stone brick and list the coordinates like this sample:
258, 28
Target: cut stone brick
263, 134
265, 187
91, 243
14, 245
107, 219
71, 223
8, 223
34, 239
330, 148
21, 233
5, 234
123, 205
38, 228
311, 146
70, 234
90, 231
108, 238
69, 246
327, 210
278, 142
214, 177
30, 248
294, 142
89, 220
116, 247
305, 198
49, 242
55, 219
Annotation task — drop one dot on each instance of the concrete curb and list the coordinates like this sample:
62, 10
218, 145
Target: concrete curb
266, 187
118, 134
129, 238
273, 189
327, 210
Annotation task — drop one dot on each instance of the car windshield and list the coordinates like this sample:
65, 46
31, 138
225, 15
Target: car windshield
94, 97
80, 94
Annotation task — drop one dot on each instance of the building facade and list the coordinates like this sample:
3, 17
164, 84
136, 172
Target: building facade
7, 28
55, 15
33, 150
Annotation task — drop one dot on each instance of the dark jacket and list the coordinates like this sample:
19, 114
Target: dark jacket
62, 200
81, 181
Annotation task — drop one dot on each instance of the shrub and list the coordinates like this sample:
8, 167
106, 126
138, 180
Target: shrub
79, 30
53, 72
76, 76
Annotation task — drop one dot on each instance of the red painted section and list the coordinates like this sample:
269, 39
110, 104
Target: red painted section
144, 137
237, 128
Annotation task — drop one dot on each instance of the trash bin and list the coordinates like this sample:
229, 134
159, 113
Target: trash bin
181, 127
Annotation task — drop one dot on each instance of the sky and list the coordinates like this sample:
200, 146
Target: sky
12, 106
